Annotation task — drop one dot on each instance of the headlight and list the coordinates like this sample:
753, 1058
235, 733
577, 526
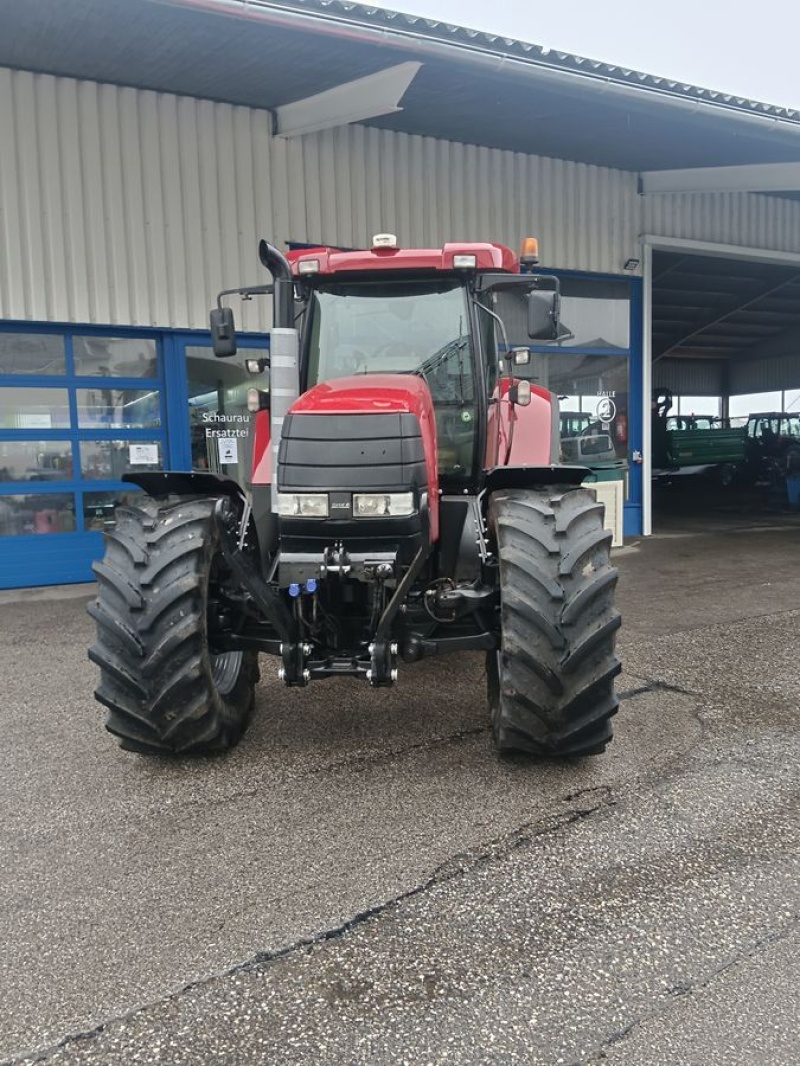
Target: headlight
303, 504
377, 504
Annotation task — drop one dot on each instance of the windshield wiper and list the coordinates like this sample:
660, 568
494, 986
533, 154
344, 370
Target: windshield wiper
442, 355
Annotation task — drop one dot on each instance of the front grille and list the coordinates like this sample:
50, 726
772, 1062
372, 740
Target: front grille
351, 452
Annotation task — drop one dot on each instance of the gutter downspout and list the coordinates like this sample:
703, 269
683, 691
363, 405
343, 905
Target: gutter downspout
402, 40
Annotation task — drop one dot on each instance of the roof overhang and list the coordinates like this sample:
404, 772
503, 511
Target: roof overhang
757, 177
472, 87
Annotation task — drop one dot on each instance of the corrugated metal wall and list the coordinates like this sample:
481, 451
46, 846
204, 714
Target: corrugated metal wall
771, 365
743, 219
765, 375
119, 206
689, 377
707, 377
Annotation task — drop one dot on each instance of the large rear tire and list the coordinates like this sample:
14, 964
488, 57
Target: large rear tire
166, 692
551, 684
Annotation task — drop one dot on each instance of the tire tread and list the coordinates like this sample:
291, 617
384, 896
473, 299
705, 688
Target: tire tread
551, 685
156, 676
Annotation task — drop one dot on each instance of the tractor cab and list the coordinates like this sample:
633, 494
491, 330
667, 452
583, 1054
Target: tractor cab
424, 313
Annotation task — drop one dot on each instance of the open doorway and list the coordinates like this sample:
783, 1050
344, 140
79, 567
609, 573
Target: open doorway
725, 388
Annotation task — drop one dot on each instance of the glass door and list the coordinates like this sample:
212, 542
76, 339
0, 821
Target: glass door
216, 421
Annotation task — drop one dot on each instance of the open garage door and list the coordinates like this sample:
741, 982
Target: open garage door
726, 389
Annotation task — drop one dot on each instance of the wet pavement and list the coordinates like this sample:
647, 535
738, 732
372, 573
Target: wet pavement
363, 881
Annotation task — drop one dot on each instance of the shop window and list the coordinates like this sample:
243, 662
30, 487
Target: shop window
595, 314
108, 460
99, 508
33, 408
74, 438
103, 408
593, 395
219, 420
125, 357
36, 460
32, 353
44, 513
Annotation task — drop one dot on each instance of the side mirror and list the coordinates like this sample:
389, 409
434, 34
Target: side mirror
543, 315
223, 332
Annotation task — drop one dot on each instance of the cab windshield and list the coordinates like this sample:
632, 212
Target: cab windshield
391, 327
381, 328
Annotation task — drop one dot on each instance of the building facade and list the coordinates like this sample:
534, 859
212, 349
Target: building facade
124, 211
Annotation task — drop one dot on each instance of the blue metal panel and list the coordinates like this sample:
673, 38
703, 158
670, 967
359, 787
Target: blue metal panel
633, 511
55, 559
180, 457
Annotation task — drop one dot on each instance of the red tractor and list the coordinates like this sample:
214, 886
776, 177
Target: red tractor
406, 500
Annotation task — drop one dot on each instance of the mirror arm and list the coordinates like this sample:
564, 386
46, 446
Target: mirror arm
247, 292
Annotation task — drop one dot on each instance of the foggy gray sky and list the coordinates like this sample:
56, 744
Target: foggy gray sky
745, 48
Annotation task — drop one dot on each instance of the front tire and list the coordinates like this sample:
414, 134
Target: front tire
166, 691
551, 684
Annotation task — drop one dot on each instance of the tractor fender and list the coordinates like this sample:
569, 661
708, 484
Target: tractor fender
204, 483
529, 477
185, 483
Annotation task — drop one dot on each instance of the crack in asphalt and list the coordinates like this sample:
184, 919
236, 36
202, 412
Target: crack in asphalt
655, 685
357, 761
367, 760
459, 865
688, 988
354, 761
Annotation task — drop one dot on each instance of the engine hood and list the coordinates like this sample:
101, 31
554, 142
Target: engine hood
375, 432
371, 394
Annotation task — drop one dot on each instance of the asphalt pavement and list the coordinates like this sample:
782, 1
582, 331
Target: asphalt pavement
363, 881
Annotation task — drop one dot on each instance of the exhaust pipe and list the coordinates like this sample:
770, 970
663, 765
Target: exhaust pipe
284, 376
283, 300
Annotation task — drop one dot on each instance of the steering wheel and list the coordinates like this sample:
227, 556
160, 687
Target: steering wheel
354, 362
395, 350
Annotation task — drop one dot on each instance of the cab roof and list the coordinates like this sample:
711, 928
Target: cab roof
494, 257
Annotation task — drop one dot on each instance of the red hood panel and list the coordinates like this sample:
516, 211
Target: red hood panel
368, 394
